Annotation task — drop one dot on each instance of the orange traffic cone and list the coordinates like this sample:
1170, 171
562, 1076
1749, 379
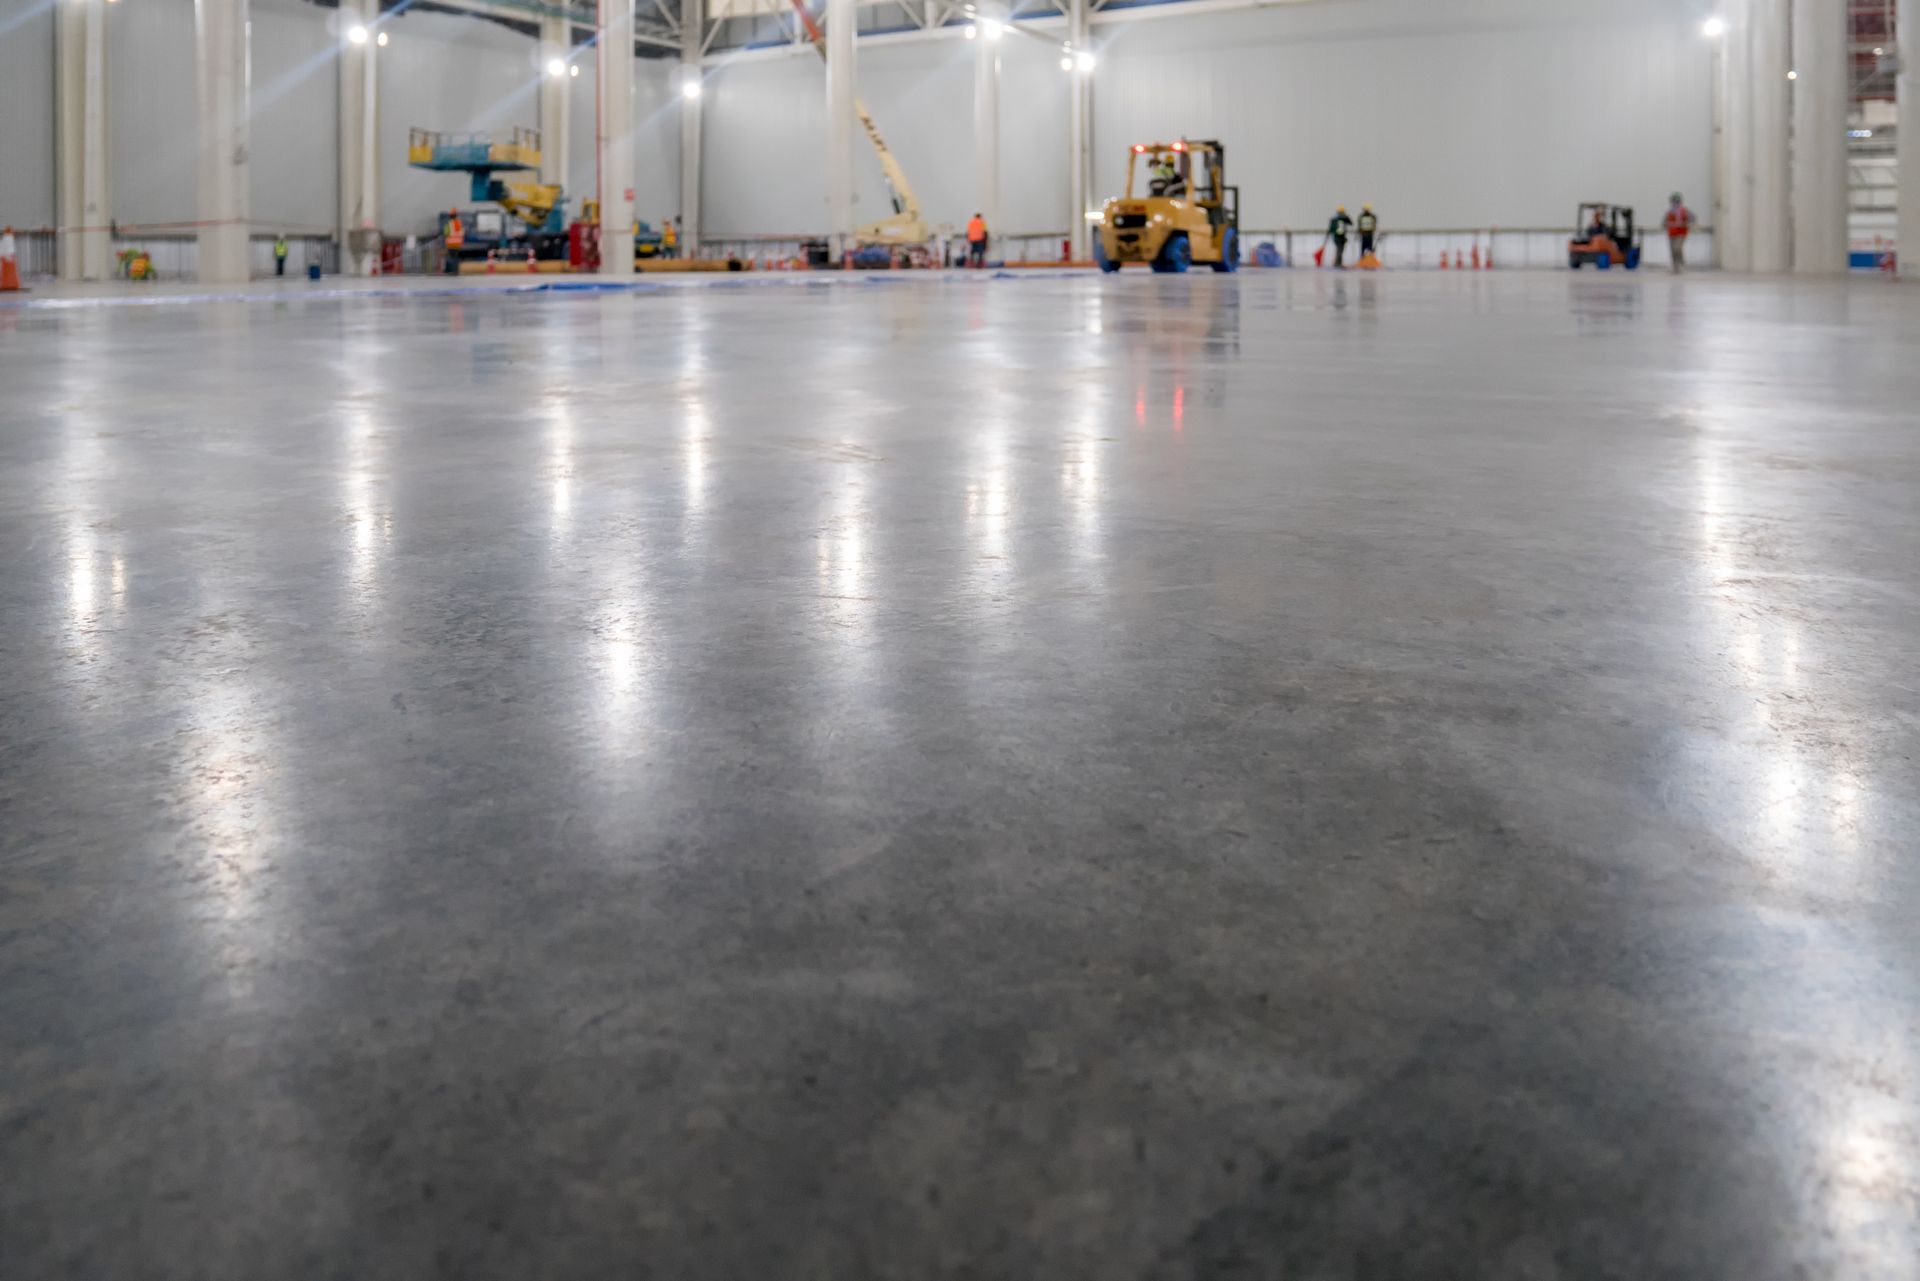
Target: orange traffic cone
532, 266
1486, 263
1458, 265
1476, 255
9, 263
490, 267
1443, 260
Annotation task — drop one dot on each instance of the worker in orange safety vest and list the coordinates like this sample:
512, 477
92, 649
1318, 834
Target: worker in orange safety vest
977, 241
1679, 221
454, 235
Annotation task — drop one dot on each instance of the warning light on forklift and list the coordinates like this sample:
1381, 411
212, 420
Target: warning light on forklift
1139, 146
1179, 146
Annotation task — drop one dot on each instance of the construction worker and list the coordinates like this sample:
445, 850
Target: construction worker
977, 240
454, 234
669, 240
279, 255
1679, 221
1337, 228
1367, 226
1163, 175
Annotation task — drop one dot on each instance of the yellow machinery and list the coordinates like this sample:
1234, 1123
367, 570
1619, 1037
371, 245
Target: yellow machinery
905, 226
538, 208
1187, 215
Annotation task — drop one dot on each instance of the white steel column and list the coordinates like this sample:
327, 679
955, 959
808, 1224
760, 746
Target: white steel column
1820, 95
1734, 236
841, 17
692, 32
556, 43
986, 122
85, 212
616, 137
1079, 122
1907, 234
1772, 113
220, 50
359, 139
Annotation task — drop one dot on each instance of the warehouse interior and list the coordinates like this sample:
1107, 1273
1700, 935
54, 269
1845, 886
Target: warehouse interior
919, 639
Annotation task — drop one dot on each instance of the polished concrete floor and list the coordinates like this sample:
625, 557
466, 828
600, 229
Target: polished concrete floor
1288, 777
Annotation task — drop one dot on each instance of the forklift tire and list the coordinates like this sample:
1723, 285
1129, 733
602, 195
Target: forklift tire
1229, 252
1176, 255
1573, 261
1105, 263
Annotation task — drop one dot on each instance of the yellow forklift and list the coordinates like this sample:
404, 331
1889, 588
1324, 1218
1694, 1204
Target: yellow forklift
1187, 214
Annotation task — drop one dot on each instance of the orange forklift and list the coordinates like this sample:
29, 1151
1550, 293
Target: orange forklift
1604, 236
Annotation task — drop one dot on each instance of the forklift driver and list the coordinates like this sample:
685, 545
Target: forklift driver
1165, 178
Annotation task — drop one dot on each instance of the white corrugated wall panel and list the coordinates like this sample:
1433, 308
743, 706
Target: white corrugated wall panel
152, 113
27, 149
656, 137
153, 104
1475, 112
295, 176
762, 151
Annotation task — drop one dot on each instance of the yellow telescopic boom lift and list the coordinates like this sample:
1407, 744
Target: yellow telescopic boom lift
906, 226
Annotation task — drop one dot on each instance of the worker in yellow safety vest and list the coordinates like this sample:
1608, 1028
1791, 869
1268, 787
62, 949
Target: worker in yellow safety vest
456, 233
669, 239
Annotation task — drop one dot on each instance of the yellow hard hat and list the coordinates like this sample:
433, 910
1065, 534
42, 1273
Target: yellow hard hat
1339, 208
1366, 208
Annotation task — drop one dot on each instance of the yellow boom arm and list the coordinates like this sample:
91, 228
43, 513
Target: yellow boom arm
906, 227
